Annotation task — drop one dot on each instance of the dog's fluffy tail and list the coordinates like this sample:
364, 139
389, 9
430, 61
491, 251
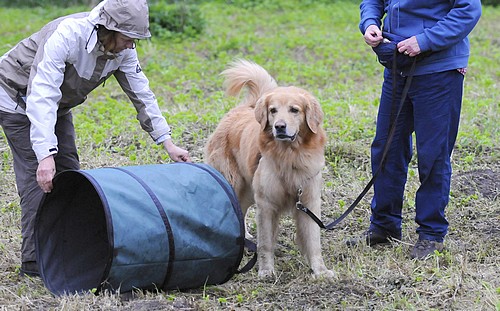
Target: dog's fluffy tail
242, 73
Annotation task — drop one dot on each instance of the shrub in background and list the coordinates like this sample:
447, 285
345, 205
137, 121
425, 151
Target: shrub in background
491, 2
168, 19
151, 2
41, 3
178, 20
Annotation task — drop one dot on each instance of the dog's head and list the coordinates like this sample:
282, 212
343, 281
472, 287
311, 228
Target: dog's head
288, 112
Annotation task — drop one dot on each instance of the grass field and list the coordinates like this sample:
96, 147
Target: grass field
315, 45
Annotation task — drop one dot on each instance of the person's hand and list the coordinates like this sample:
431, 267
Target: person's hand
409, 47
176, 153
373, 36
45, 173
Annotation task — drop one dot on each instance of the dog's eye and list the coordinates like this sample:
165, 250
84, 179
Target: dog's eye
273, 110
294, 110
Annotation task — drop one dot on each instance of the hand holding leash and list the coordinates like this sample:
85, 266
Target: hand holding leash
373, 36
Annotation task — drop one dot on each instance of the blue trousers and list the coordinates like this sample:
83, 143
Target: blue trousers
432, 111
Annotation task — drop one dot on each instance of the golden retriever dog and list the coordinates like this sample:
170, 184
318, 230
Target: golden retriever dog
271, 149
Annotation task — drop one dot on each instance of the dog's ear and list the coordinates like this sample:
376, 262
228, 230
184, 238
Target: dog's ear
261, 111
314, 114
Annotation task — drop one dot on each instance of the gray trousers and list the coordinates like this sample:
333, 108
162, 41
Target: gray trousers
17, 130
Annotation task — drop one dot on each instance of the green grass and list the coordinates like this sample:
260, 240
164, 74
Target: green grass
315, 45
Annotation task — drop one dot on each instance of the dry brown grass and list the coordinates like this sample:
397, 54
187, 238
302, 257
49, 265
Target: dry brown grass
465, 277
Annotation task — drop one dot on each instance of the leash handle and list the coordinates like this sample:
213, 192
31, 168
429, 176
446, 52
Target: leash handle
387, 146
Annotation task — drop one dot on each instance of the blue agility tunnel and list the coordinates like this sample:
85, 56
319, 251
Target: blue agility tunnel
152, 227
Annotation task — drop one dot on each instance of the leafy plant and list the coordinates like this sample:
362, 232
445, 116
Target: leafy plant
175, 20
491, 2
46, 3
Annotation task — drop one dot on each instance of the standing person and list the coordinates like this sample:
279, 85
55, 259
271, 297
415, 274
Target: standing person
52, 71
438, 28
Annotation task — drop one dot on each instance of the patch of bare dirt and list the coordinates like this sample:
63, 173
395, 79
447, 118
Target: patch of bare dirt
485, 182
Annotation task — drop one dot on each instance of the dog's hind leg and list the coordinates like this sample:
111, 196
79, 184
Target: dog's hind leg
246, 201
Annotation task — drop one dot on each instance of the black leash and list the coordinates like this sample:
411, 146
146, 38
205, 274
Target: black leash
392, 130
251, 247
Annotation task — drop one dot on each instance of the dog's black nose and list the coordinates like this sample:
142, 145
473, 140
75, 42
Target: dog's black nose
280, 127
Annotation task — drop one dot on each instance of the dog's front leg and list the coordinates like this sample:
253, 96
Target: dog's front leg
309, 241
267, 231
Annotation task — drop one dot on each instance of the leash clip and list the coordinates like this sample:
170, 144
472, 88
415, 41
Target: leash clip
301, 207
299, 204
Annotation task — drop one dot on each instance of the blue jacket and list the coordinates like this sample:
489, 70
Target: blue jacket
440, 26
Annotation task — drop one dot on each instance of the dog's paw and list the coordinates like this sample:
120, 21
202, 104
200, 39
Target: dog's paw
266, 273
323, 274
